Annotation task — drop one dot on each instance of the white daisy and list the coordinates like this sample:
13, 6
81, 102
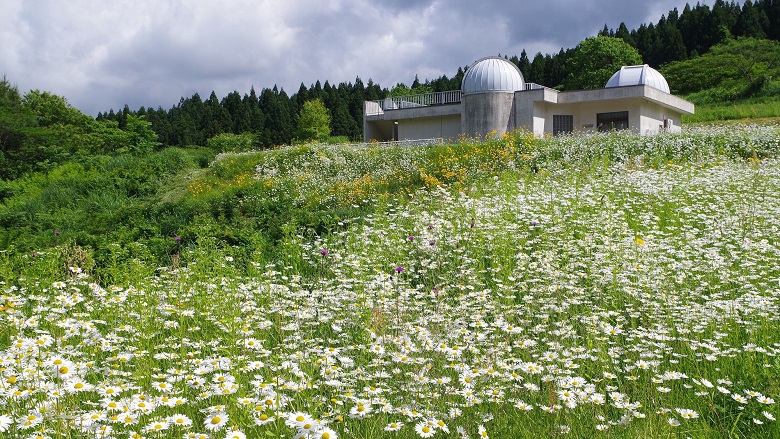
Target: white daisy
216, 421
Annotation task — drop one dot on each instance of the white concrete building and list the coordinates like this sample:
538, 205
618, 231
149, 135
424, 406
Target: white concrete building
494, 98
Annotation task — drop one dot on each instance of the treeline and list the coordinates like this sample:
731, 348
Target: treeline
272, 115
680, 36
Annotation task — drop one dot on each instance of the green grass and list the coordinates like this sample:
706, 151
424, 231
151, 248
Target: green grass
607, 282
724, 104
746, 110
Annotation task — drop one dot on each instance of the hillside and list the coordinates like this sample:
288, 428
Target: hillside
584, 285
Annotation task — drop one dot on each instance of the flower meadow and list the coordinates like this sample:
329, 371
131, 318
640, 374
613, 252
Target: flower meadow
602, 285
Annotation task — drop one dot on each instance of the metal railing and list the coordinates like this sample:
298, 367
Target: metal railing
424, 100
413, 101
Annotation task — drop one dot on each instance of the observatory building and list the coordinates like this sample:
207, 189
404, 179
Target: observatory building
494, 98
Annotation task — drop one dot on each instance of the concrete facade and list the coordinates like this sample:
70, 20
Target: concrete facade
484, 113
489, 105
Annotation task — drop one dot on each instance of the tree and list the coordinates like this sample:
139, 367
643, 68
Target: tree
18, 130
142, 138
671, 46
279, 125
537, 69
313, 121
646, 41
556, 69
751, 21
50, 109
757, 60
624, 34
596, 59
231, 142
744, 65
9, 94
699, 73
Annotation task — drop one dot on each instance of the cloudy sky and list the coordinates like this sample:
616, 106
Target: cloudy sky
105, 54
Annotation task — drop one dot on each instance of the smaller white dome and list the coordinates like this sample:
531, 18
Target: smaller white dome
492, 75
639, 75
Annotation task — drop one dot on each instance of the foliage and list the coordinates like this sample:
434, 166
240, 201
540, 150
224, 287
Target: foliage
402, 90
40, 130
596, 59
93, 203
229, 142
313, 121
142, 139
744, 64
757, 60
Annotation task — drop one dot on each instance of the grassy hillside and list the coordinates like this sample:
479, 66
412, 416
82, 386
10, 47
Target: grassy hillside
590, 285
746, 110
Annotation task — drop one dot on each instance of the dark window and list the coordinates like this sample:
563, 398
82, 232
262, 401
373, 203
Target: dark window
617, 120
562, 123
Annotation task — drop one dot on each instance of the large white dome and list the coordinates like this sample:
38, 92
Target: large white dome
492, 75
639, 75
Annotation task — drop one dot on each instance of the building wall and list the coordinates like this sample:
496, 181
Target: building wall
654, 117
584, 114
445, 127
527, 105
485, 113
436, 121
381, 131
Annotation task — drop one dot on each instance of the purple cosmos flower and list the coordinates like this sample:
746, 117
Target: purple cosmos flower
324, 252
411, 238
177, 238
57, 233
399, 270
